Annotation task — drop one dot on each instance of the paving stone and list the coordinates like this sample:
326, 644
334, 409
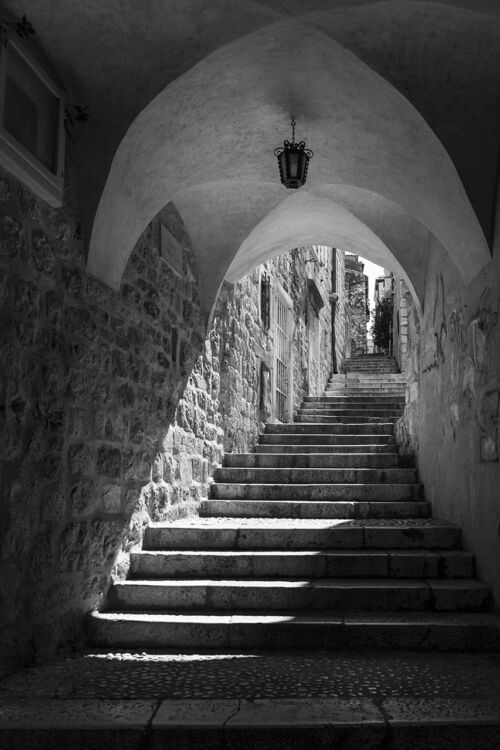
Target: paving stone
458, 723
27, 724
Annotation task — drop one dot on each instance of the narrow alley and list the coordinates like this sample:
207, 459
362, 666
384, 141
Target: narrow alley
249, 374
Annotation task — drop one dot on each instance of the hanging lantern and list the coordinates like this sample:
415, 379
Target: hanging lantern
293, 160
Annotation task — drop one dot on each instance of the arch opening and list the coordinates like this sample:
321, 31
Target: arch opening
187, 146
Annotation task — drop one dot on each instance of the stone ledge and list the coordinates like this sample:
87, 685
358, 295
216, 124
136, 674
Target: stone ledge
224, 724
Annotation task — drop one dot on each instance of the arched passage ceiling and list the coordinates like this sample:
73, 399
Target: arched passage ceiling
336, 215
219, 122
443, 57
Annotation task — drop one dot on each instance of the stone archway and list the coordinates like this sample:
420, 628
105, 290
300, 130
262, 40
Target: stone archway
212, 132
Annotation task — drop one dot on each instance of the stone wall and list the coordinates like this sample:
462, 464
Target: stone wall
114, 407
451, 421
356, 284
89, 379
341, 312
400, 323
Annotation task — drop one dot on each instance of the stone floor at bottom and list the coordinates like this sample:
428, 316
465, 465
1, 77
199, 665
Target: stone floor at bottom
367, 699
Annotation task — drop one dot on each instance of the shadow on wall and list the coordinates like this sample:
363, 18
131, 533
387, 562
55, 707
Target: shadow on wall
90, 381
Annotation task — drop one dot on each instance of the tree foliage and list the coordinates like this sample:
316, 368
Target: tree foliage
382, 324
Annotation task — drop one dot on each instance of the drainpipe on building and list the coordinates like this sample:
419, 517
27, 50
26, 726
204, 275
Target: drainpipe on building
333, 302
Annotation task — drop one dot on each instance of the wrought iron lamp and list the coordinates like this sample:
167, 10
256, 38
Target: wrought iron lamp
293, 160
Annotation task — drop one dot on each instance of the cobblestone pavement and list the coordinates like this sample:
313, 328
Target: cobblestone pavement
340, 675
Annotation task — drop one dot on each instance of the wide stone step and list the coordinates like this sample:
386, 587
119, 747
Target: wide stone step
383, 381
315, 460
369, 383
410, 631
369, 370
345, 475
366, 366
325, 438
347, 419
288, 534
306, 563
266, 491
307, 428
362, 393
363, 448
371, 380
327, 410
339, 594
355, 402
313, 509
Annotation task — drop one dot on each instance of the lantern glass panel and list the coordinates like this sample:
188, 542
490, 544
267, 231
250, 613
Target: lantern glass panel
294, 164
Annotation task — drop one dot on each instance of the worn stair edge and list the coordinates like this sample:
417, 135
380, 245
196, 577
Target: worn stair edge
352, 534
312, 509
316, 460
365, 595
409, 631
363, 492
294, 448
315, 475
358, 564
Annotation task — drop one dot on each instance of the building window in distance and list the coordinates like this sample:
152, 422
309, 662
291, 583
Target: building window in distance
265, 301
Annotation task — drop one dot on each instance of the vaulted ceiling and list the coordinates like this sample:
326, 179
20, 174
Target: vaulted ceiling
188, 98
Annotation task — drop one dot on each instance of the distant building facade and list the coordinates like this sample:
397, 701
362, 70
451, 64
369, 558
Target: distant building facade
356, 285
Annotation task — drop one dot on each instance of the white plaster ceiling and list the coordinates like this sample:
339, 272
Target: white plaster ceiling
398, 99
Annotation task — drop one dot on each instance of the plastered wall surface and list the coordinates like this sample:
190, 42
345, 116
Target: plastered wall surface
451, 420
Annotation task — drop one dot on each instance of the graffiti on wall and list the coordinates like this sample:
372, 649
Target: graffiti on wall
439, 324
488, 311
457, 328
489, 424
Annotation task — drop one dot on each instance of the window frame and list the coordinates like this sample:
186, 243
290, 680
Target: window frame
15, 157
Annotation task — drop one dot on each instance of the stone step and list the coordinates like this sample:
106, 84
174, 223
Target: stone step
289, 534
302, 438
429, 631
356, 402
369, 383
367, 366
340, 594
243, 720
313, 509
392, 377
376, 428
327, 410
392, 564
366, 449
315, 460
365, 390
319, 418
364, 393
274, 475
369, 370
305, 492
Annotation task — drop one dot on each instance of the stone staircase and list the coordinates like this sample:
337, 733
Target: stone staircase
321, 538
376, 364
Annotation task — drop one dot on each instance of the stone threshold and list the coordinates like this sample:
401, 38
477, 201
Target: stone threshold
291, 723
